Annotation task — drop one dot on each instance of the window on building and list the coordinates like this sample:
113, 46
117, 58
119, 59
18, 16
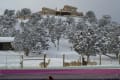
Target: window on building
6, 46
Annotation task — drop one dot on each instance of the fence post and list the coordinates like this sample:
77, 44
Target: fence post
6, 62
44, 60
100, 59
63, 59
21, 63
80, 59
119, 58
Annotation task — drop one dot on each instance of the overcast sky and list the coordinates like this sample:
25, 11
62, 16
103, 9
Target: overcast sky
100, 7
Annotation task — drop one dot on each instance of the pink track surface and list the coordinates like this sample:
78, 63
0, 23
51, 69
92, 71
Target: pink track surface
62, 71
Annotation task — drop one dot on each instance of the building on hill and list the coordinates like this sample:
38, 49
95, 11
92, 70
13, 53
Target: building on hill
67, 10
48, 11
72, 10
5, 43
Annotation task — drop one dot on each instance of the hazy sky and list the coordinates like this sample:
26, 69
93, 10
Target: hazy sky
100, 7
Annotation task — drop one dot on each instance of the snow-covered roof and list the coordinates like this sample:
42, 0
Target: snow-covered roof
6, 39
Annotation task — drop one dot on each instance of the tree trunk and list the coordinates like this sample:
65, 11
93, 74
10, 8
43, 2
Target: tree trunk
58, 44
63, 60
44, 60
24, 17
71, 48
88, 58
54, 44
84, 62
117, 56
26, 51
82, 57
21, 63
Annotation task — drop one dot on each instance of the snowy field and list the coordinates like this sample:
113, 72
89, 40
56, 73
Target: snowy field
11, 60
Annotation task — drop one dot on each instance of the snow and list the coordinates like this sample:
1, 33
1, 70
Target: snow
64, 48
11, 59
17, 27
10, 53
76, 18
6, 39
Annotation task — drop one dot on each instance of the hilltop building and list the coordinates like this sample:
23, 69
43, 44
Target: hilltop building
67, 10
47, 11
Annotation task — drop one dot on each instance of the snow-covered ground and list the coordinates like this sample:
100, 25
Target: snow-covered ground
64, 48
10, 59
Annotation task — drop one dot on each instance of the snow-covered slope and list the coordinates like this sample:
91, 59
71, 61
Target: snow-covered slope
64, 48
